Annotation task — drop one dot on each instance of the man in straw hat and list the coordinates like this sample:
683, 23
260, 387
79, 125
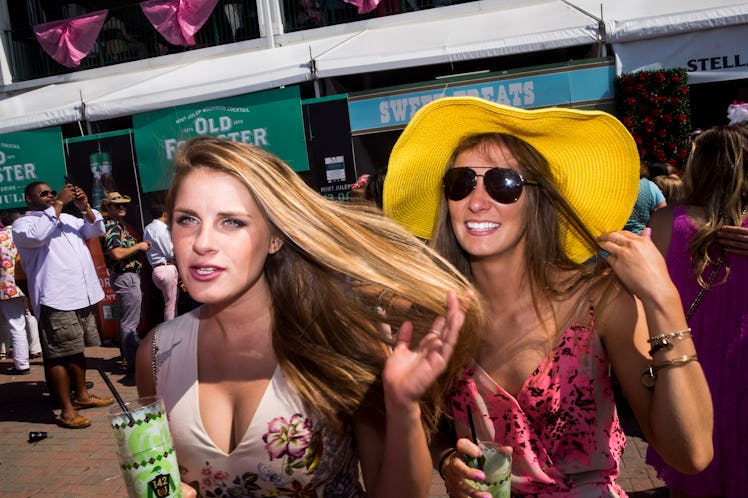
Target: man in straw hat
63, 287
520, 201
122, 252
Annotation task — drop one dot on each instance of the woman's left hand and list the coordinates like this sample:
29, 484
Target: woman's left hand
408, 373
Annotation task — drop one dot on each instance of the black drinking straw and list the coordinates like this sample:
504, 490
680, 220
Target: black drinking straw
116, 395
472, 424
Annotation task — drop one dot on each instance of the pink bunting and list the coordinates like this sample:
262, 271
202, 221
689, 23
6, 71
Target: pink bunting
70, 40
178, 20
364, 6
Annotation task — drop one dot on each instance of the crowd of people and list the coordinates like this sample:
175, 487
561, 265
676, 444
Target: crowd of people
496, 281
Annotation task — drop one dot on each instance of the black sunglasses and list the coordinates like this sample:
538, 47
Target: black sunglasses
45, 193
504, 185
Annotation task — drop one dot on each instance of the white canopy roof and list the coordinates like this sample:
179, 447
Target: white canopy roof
473, 30
461, 32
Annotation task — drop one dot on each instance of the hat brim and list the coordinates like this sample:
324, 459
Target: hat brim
592, 156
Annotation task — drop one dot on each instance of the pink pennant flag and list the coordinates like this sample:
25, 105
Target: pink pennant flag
178, 20
364, 6
70, 40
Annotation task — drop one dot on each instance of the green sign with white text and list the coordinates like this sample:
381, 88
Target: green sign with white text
29, 156
270, 119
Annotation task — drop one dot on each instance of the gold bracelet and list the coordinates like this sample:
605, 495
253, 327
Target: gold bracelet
664, 342
649, 376
58, 201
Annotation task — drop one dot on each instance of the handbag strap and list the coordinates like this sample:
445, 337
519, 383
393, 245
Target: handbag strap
702, 291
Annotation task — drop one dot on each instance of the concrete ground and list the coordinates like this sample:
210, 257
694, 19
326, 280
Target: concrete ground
82, 463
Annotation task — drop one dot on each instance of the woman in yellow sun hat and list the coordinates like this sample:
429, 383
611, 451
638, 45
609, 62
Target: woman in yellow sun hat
522, 201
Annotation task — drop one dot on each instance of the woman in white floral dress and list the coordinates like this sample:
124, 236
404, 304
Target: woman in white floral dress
286, 380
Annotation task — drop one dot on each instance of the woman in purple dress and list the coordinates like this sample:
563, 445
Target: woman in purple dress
711, 274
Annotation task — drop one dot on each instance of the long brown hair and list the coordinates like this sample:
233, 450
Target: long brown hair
715, 180
335, 264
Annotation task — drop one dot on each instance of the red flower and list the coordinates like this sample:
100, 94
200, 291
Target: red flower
638, 139
659, 77
682, 118
682, 154
676, 79
630, 101
628, 122
666, 118
643, 76
683, 90
655, 112
662, 132
661, 156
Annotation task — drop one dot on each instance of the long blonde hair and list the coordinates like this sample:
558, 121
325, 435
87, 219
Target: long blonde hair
336, 263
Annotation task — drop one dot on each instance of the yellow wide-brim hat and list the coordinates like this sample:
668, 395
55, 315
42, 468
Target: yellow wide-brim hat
592, 156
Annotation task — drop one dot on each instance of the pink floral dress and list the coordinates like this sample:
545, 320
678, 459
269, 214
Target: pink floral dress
8, 258
563, 426
286, 451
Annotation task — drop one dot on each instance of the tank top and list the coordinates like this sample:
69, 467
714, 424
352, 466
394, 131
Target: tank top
287, 449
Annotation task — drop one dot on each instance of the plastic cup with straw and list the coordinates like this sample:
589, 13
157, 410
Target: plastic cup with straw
495, 464
144, 446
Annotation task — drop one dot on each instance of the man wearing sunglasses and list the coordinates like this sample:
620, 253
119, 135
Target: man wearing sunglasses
63, 287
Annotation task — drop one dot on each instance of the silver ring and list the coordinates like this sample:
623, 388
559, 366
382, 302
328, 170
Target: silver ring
437, 333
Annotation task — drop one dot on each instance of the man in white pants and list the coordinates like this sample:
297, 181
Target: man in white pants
161, 258
12, 299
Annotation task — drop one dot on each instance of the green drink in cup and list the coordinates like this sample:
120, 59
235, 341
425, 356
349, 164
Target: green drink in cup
145, 449
497, 466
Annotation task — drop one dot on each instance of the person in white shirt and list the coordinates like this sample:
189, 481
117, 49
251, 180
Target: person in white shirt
161, 258
63, 287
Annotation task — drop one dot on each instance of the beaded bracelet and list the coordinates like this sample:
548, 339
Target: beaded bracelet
448, 453
665, 341
649, 376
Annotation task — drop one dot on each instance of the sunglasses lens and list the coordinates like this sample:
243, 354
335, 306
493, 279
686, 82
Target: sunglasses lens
45, 193
503, 185
458, 183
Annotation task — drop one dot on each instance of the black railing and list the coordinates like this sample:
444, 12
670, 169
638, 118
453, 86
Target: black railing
128, 36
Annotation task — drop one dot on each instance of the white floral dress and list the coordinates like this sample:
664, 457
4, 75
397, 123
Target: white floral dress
286, 451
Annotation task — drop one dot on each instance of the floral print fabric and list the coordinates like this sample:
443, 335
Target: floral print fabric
118, 236
563, 426
287, 449
8, 259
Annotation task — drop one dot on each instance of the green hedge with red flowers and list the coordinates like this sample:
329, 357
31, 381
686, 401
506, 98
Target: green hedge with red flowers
655, 107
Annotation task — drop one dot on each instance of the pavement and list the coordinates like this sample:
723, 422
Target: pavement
82, 462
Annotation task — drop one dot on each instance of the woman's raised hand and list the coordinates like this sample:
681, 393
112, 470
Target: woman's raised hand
408, 373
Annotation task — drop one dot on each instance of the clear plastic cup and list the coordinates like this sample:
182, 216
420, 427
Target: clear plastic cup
145, 449
497, 466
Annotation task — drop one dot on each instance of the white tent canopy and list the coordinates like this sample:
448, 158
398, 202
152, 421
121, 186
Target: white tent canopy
473, 30
61, 103
461, 32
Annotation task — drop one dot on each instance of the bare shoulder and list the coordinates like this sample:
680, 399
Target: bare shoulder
143, 366
615, 307
661, 223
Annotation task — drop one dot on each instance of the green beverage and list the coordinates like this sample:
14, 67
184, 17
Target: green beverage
145, 449
497, 466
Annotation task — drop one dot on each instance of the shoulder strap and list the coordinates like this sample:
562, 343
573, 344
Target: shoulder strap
154, 351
